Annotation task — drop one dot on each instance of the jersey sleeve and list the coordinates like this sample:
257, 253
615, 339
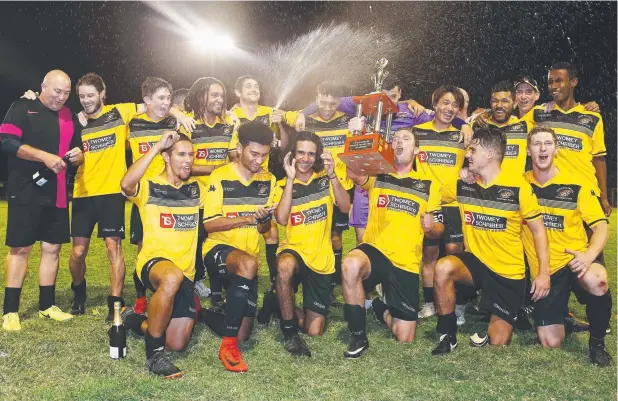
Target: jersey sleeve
598, 140
290, 116
435, 198
589, 207
141, 195
202, 194
278, 191
213, 203
15, 122
233, 142
273, 187
76, 139
127, 111
528, 203
369, 184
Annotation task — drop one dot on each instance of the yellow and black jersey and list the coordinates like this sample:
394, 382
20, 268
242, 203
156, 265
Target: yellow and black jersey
333, 134
581, 137
170, 218
210, 143
230, 196
145, 132
308, 231
565, 204
516, 132
440, 157
396, 205
492, 217
263, 115
103, 142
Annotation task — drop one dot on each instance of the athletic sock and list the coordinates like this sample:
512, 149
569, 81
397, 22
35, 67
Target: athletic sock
356, 318
271, 260
80, 291
200, 270
235, 305
379, 307
111, 299
134, 323
598, 312
154, 344
11, 299
338, 256
140, 290
447, 324
428, 294
47, 296
214, 320
289, 327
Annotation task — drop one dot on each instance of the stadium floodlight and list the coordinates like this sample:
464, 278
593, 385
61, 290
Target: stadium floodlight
208, 41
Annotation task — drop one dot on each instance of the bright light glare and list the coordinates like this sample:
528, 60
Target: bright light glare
206, 41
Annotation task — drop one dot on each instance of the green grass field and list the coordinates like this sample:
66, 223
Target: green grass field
61, 361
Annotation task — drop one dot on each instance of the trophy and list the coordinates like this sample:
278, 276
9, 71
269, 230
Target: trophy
370, 152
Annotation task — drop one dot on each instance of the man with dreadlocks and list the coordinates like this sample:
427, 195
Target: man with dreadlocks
206, 103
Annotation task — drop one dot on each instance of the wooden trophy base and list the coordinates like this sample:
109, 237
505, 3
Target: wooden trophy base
368, 155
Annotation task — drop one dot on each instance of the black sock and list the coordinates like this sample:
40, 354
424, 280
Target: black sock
134, 323
200, 270
11, 299
447, 324
216, 287
379, 307
235, 305
289, 327
271, 260
140, 290
110, 302
214, 320
428, 294
154, 344
356, 318
47, 296
338, 257
80, 291
460, 297
598, 312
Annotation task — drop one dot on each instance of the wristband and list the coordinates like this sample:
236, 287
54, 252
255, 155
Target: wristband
264, 219
333, 177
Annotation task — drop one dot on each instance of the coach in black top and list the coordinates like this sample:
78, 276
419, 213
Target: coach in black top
39, 136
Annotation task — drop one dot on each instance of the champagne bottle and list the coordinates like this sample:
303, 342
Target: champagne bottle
117, 336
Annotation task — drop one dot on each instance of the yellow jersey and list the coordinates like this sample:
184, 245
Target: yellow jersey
565, 205
170, 218
145, 132
492, 217
308, 231
396, 205
516, 132
230, 196
581, 137
440, 157
103, 142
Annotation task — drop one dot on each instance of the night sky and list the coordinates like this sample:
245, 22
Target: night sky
471, 45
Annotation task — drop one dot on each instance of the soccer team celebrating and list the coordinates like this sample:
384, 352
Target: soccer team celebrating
509, 203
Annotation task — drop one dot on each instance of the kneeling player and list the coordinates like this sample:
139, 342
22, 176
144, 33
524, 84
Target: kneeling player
237, 210
403, 207
492, 209
306, 197
168, 204
575, 264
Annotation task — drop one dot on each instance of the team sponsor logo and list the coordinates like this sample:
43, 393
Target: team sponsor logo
553, 222
333, 141
485, 221
506, 195
398, 204
569, 142
309, 216
178, 222
511, 151
211, 154
233, 215
438, 158
99, 144
565, 193
144, 147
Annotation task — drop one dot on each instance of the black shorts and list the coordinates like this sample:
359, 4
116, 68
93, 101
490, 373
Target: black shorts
137, 229
453, 232
500, 296
341, 221
105, 210
214, 262
316, 286
184, 301
400, 287
27, 224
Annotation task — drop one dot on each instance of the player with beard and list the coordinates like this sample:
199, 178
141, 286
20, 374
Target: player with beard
306, 199
169, 203
493, 210
404, 206
574, 260
238, 208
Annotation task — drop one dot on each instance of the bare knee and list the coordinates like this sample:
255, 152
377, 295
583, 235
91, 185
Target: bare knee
443, 271
499, 338
114, 248
551, 341
454, 247
176, 343
21, 252
170, 283
50, 249
285, 267
78, 253
595, 281
351, 269
247, 267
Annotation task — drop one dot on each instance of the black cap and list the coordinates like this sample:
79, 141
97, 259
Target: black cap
527, 80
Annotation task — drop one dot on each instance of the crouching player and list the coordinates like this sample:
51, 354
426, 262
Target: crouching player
169, 204
575, 263
404, 207
305, 207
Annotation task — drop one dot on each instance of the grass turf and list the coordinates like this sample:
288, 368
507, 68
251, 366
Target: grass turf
62, 361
